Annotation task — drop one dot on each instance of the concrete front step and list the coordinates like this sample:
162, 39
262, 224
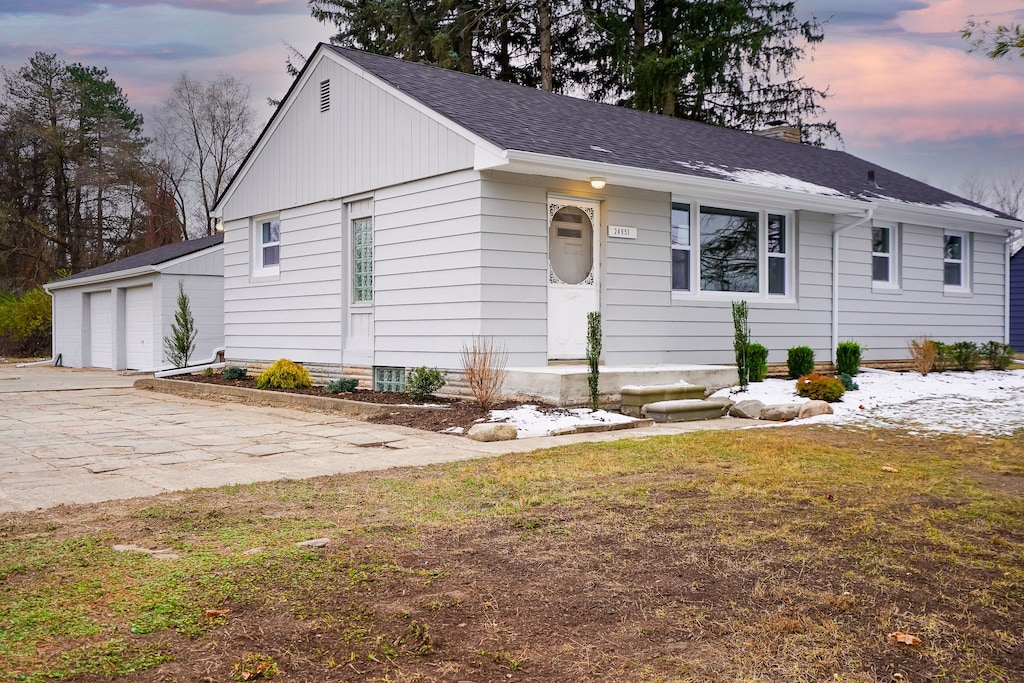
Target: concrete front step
635, 396
686, 410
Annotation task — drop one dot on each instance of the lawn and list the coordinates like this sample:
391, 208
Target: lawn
785, 554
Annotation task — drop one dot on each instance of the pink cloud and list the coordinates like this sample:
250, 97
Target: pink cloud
887, 90
949, 16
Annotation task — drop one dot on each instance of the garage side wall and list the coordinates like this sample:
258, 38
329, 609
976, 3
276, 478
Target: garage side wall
206, 301
69, 326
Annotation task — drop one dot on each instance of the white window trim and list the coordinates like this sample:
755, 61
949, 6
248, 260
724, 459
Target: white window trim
364, 303
965, 263
762, 295
260, 271
893, 284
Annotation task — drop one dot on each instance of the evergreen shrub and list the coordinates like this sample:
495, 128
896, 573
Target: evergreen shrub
284, 374
998, 354
819, 387
757, 362
341, 386
848, 358
234, 372
966, 355
800, 361
423, 381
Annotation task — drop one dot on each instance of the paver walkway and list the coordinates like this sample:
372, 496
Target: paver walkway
62, 440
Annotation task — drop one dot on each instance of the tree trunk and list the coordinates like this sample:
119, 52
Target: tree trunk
544, 24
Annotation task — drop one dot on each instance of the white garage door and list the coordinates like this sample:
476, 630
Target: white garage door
138, 327
100, 332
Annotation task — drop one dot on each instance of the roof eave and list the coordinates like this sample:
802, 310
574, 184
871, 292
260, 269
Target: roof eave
102, 277
939, 217
708, 188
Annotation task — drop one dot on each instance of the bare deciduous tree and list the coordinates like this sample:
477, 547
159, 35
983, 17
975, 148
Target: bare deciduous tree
203, 132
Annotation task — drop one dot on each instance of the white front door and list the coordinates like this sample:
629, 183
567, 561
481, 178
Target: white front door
573, 243
101, 331
138, 327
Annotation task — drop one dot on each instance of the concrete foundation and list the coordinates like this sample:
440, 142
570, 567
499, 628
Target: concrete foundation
566, 385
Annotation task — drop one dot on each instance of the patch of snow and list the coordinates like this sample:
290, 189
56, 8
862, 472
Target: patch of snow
636, 387
986, 402
529, 420
600, 149
453, 430
776, 181
958, 207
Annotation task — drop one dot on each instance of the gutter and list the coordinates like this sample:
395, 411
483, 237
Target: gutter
866, 218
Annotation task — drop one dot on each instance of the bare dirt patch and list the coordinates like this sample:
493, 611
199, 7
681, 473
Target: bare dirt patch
781, 555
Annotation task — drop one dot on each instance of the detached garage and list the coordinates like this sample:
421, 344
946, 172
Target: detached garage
117, 315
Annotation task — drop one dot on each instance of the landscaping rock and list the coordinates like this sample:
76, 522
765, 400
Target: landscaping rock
314, 543
812, 408
164, 554
782, 412
492, 431
749, 409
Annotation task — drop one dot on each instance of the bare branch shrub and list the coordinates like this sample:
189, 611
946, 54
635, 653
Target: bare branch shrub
483, 366
923, 353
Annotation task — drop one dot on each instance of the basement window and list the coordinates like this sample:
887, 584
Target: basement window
388, 379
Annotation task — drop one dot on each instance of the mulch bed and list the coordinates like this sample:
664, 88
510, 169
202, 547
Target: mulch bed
450, 412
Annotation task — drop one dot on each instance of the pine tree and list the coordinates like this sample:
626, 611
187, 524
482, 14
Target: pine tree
182, 341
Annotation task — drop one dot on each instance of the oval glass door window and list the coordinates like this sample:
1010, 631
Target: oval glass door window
571, 245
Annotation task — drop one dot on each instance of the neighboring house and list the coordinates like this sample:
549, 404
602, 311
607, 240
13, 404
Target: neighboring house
116, 316
1017, 301
390, 212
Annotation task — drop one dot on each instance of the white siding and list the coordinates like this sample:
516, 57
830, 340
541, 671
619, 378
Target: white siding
643, 323
205, 300
298, 314
366, 140
427, 270
883, 321
68, 324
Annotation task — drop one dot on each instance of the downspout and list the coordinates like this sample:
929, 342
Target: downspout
866, 218
1011, 236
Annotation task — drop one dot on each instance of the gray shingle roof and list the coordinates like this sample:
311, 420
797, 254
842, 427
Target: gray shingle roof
153, 257
513, 117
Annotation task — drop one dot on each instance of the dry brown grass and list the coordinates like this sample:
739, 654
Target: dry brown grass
923, 352
484, 370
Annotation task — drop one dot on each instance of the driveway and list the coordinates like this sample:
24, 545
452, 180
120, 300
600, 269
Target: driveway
85, 436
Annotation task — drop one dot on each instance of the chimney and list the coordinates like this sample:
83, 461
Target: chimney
780, 130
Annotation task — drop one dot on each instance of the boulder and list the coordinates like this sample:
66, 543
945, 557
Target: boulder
749, 409
725, 403
812, 408
492, 431
782, 412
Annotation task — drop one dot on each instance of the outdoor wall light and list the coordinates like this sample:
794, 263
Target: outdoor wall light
219, 227
597, 183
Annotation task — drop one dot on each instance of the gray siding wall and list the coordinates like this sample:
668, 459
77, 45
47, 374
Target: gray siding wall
428, 270
296, 315
68, 326
1017, 301
883, 321
368, 139
644, 323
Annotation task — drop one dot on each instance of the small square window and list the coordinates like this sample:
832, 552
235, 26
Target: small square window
388, 379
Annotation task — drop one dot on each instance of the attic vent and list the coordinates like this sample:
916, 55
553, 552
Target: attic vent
325, 95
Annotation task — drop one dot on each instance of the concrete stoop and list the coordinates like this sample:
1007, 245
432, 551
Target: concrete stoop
566, 385
635, 397
686, 410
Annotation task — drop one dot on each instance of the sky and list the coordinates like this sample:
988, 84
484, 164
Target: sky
902, 88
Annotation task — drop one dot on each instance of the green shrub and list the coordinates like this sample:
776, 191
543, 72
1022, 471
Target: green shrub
284, 374
819, 387
800, 361
208, 372
848, 358
757, 362
966, 355
25, 323
594, 358
179, 345
943, 356
741, 341
848, 382
423, 382
234, 372
998, 354
341, 386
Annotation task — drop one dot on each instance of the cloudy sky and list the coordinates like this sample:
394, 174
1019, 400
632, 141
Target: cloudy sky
904, 92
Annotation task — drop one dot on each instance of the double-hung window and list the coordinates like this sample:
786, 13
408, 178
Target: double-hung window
956, 277
362, 260
720, 249
883, 255
680, 246
267, 243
